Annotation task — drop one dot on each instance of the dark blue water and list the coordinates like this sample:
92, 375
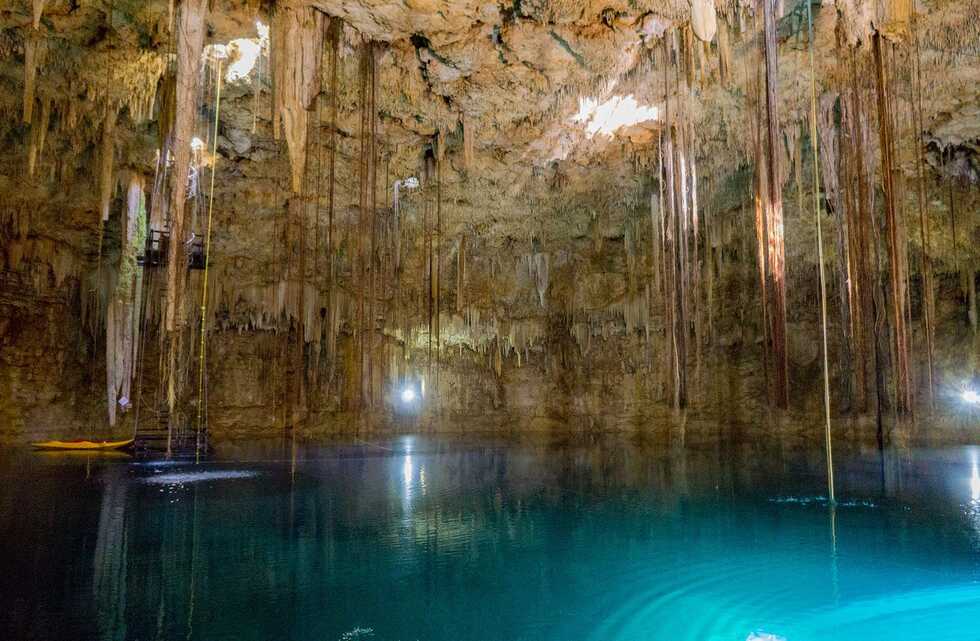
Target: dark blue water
430, 539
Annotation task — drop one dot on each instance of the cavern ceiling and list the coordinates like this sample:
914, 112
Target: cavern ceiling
524, 96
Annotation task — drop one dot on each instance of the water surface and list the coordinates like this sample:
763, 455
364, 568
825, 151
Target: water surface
449, 539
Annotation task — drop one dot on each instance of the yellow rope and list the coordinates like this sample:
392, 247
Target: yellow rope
823, 283
207, 263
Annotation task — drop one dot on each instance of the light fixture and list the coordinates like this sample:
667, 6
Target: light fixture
971, 397
408, 395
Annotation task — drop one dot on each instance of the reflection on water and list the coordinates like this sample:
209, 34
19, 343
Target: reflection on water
439, 539
196, 475
974, 476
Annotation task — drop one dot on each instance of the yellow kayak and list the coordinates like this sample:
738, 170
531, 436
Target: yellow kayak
86, 454
82, 445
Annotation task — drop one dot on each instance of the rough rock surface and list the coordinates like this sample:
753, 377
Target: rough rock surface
550, 313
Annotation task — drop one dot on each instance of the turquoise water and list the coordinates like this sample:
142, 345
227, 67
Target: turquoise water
432, 539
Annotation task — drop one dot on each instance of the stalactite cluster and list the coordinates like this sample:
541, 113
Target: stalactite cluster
517, 245
770, 225
189, 46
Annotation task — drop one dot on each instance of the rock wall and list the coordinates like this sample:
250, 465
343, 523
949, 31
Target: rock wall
546, 311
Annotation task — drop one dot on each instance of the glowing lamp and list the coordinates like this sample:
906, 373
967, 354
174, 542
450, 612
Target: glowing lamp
408, 395
971, 397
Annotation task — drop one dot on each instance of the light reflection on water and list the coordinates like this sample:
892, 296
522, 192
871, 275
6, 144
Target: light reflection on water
438, 539
974, 476
197, 476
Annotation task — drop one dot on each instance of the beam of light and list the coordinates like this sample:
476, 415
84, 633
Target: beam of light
609, 116
408, 395
243, 53
971, 397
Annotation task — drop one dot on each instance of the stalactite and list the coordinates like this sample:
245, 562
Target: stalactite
774, 215
760, 198
111, 344
295, 254
365, 216
901, 119
895, 236
696, 266
315, 324
666, 206
674, 238
635, 312
336, 27
190, 44
656, 247
161, 192
703, 19
629, 249
724, 52
534, 268
106, 161
461, 274
122, 324
373, 259
709, 264
830, 158
135, 235
928, 289
688, 44
34, 48
297, 40
166, 110
37, 10
679, 254
861, 277
468, 140
39, 132
957, 264
425, 277
971, 298
797, 162
437, 271
678, 315
814, 142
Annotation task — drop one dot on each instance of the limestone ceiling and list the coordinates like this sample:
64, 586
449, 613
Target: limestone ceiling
516, 71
